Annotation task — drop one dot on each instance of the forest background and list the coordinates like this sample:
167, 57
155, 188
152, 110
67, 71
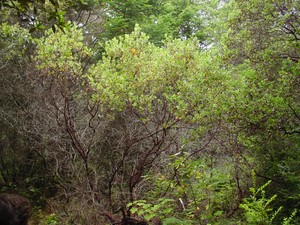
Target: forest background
169, 111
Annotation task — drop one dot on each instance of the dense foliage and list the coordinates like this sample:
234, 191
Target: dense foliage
170, 112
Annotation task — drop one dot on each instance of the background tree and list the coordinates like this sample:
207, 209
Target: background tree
262, 49
22, 166
157, 19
